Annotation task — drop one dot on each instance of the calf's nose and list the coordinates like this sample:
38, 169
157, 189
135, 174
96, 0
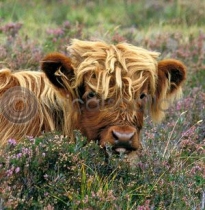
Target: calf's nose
123, 138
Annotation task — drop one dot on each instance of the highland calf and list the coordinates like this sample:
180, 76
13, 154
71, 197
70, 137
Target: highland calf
100, 89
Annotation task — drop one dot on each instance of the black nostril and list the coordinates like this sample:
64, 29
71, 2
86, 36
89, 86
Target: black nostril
122, 136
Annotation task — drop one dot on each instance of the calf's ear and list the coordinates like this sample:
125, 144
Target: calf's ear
59, 71
174, 71
171, 75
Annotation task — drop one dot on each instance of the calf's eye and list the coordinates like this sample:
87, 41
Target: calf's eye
143, 95
91, 95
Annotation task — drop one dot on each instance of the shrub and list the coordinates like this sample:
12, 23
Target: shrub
51, 172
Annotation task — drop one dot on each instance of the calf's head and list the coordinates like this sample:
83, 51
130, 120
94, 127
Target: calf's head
110, 86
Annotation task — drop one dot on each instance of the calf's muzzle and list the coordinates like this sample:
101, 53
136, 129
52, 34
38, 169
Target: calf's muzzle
124, 138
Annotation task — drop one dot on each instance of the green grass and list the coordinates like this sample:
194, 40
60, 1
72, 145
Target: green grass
170, 172
180, 15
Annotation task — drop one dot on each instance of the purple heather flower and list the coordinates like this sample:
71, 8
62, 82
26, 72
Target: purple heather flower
12, 142
55, 32
10, 171
17, 169
31, 138
19, 155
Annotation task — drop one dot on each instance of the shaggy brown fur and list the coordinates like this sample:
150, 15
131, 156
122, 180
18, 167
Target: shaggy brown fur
100, 89
44, 113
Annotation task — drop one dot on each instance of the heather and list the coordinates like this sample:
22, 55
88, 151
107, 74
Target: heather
50, 172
